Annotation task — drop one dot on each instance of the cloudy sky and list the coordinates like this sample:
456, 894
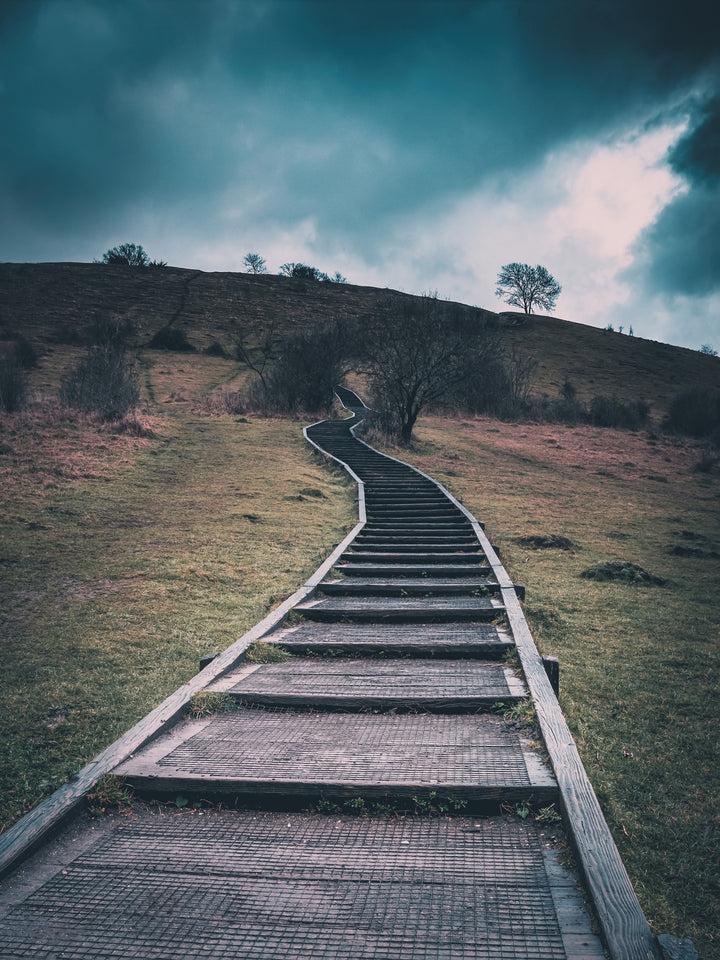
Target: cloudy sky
414, 144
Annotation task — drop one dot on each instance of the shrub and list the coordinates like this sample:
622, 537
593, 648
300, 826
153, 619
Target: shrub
13, 384
304, 375
611, 412
103, 382
302, 271
127, 254
695, 412
171, 338
25, 353
215, 350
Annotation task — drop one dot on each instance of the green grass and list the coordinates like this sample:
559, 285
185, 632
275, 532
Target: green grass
639, 663
124, 562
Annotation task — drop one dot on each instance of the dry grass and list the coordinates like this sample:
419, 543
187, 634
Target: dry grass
47, 447
55, 306
137, 558
630, 368
639, 663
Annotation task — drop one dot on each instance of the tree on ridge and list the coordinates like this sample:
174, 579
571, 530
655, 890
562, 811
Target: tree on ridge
254, 263
521, 285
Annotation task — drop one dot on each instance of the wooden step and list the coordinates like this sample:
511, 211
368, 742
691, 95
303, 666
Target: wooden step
419, 526
420, 587
401, 609
406, 543
259, 885
268, 754
400, 639
437, 555
411, 570
351, 684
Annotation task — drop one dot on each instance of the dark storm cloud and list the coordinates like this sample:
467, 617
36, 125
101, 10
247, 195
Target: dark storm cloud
680, 252
697, 155
348, 113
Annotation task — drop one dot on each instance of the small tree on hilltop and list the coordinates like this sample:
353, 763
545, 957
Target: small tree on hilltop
254, 263
127, 254
524, 286
302, 271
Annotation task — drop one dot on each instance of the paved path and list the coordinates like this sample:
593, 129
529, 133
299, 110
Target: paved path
389, 705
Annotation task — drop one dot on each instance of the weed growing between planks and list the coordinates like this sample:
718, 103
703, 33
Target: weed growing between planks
639, 664
114, 588
205, 703
263, 652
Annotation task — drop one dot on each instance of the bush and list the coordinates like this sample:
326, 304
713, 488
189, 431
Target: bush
302, 271
25, 354
171, 338
611, 412
305, 374
695, 412
13, 384
127, 254
104, 382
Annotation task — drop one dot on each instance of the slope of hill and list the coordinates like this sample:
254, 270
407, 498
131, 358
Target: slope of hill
602, 362
127, 555
56, 304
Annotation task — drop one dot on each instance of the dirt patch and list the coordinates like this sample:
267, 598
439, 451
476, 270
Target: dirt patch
546, 542
90, 589
621, 571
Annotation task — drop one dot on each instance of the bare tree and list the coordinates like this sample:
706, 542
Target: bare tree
419, 355
254, 263
524, 286
258, 358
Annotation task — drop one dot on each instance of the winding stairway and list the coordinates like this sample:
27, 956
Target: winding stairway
398, 702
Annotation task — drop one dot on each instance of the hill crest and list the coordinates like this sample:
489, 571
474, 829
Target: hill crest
55, 303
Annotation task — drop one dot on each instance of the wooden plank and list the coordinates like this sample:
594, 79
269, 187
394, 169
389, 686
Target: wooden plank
267, 885
480, 757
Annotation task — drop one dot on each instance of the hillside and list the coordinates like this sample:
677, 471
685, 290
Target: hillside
130, 553
600, 362
54, 305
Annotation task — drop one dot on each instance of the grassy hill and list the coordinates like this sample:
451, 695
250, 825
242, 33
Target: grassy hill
54, 305
125, 556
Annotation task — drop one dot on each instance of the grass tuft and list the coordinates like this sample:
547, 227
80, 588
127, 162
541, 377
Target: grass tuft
552, 541
263, 652
206, 702
621, 571
109, 793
